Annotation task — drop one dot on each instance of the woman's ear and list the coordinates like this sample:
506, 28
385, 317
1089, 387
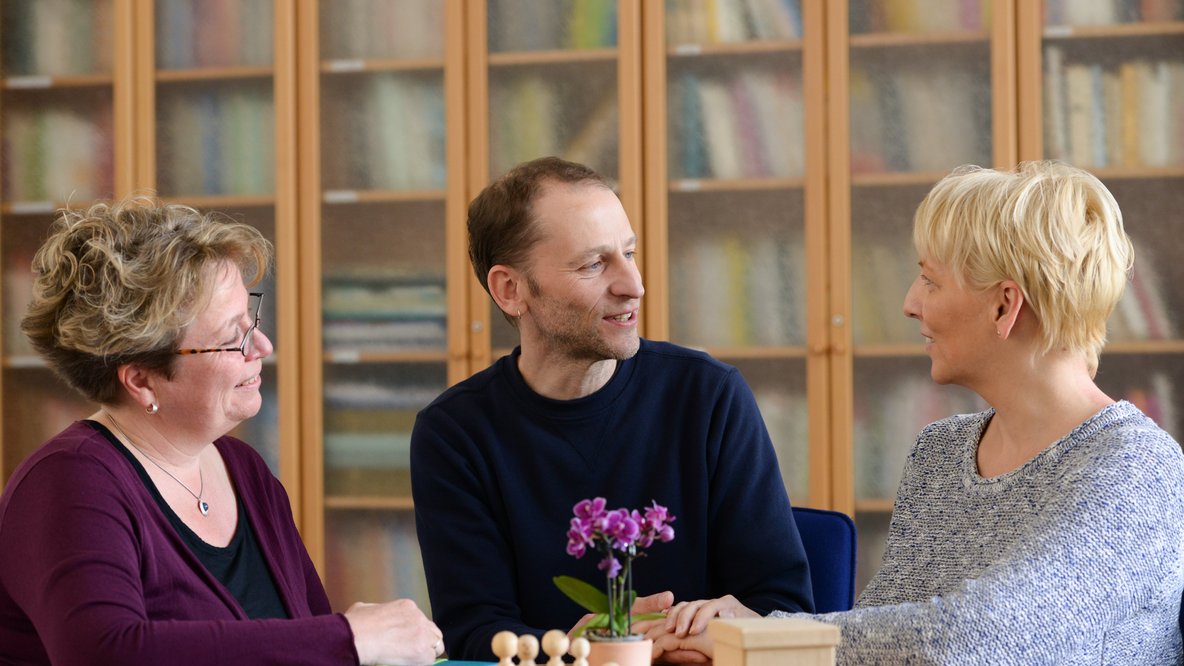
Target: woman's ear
138, 383
506, 285
1009, 302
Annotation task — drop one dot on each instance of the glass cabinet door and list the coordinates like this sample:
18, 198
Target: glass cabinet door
735, 227
920, 88
1111, 84
57, 122
384, 73
552, 72
213, 147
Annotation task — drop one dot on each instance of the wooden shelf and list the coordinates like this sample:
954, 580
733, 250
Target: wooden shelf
349, 356
555, 57
64, 81
694, 50
1120, 30
1145, 347
894, 39
691, 185
902, 350
31, 207
216, 201
337, 197
355, 66
746, 353
1138, 172
368, 502
878, 505
214, 73
893, 179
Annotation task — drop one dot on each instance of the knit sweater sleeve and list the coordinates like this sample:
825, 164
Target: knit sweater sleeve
1102, 546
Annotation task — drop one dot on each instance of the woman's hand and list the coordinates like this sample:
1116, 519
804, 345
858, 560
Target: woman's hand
395, 633
681, 638
690, 618
653, 603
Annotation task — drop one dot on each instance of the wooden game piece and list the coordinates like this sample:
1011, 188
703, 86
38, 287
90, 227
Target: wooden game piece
505, 646
555, 644
528, 649
580, 649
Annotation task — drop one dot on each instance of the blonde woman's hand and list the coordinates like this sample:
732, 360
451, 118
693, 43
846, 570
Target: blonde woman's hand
690, 618
395, 633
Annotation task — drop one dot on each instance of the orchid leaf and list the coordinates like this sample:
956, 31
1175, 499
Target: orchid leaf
587, 596
598, 621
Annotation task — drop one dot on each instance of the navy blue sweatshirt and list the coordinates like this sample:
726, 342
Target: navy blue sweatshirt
497, 468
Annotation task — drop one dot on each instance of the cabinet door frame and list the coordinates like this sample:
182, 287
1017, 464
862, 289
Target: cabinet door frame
1004, 146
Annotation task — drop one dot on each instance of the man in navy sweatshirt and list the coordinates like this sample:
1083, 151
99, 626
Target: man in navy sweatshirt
584, 408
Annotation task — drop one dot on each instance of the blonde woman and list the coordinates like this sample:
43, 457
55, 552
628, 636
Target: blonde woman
1049, 528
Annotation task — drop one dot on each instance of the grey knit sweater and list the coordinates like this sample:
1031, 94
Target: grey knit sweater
1077, 557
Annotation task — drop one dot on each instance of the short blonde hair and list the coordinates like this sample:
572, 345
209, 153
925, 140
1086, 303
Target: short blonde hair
120, 283
1052, 228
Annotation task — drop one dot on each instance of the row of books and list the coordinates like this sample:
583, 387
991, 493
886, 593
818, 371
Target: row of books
57, 37
18, 290
730, 290
866, 16
385, 312
1114, 114
882, 273
531, 121
373, 556
213, 33
716, 21
786, 416
746, 125
920, 115
1108, 12
1157, 398
380, 29
889, 415
528, 25
57, 153
216, 140
385, 131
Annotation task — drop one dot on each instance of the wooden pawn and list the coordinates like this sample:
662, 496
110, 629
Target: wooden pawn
555, 644
505, 646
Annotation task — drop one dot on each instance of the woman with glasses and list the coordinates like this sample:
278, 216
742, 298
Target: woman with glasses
145, 534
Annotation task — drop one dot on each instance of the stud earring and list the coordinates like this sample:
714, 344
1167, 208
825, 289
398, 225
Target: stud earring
152, 408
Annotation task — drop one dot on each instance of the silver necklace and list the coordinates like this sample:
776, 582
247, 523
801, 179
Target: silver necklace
202, 505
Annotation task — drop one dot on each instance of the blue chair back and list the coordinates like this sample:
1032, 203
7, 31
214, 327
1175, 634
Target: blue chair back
829, 539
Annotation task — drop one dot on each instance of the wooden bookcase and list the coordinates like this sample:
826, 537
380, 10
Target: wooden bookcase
770, 154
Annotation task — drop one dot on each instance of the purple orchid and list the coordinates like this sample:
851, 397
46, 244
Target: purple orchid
618, 535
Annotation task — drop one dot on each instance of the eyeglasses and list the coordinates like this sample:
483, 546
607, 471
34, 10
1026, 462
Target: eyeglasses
254, 301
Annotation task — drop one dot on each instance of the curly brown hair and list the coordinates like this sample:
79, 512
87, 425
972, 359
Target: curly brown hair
120, 282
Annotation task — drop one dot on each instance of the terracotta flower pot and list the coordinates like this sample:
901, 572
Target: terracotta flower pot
621, 651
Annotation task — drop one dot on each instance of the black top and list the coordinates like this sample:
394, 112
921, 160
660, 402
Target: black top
239, 566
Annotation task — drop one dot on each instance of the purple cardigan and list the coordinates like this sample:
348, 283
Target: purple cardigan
91, 571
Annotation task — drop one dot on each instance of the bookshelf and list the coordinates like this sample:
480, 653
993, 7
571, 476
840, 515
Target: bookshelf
213, 81
1104, 83
733, 213
560, 78
770, 154
380, 164
921, 87
62, 103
